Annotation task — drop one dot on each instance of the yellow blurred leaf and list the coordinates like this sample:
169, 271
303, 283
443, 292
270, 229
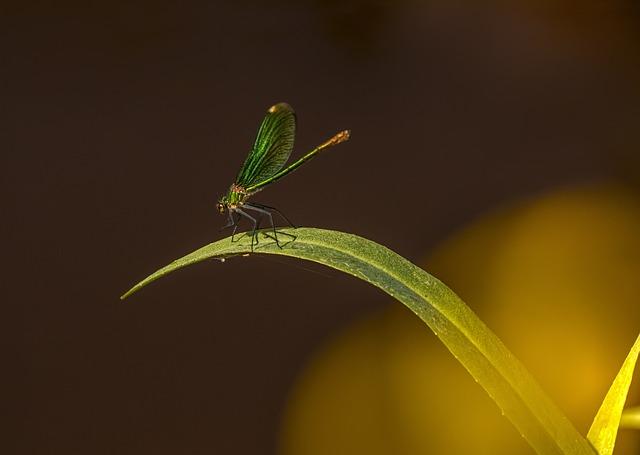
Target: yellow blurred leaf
604, 429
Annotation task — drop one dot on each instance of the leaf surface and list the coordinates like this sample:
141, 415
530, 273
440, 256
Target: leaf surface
475, 346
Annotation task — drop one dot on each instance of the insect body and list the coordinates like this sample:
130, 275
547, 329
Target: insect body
265, 165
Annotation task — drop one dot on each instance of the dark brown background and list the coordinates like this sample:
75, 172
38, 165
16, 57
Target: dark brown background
124, 121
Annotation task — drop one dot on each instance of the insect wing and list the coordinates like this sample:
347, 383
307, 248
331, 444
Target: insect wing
272, 147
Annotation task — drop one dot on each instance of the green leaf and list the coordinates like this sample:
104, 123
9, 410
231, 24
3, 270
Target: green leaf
465, 335
604, 428
631, 418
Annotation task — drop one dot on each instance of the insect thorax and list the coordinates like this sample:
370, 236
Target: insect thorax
236, 195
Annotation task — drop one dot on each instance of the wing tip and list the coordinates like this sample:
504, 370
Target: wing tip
280, 107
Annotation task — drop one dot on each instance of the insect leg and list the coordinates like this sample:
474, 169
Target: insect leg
255, 226
282, 215
260, 209
235, 224
267, 213
230, 223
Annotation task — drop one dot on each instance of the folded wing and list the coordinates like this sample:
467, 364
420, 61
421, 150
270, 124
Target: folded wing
272, 147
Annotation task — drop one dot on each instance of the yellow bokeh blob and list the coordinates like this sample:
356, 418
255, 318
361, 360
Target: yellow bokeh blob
557, 278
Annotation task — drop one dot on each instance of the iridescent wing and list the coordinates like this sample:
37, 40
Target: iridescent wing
272, 147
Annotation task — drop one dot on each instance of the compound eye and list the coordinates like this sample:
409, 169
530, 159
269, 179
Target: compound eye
220, 207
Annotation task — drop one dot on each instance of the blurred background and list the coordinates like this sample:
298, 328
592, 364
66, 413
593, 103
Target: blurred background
494, 144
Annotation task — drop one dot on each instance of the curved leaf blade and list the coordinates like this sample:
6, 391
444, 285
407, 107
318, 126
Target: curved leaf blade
604, 428
479, 350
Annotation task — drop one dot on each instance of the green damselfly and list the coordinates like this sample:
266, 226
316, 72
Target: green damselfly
264, 166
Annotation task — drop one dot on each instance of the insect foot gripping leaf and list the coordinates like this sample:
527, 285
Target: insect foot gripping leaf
479, 350
604, 428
